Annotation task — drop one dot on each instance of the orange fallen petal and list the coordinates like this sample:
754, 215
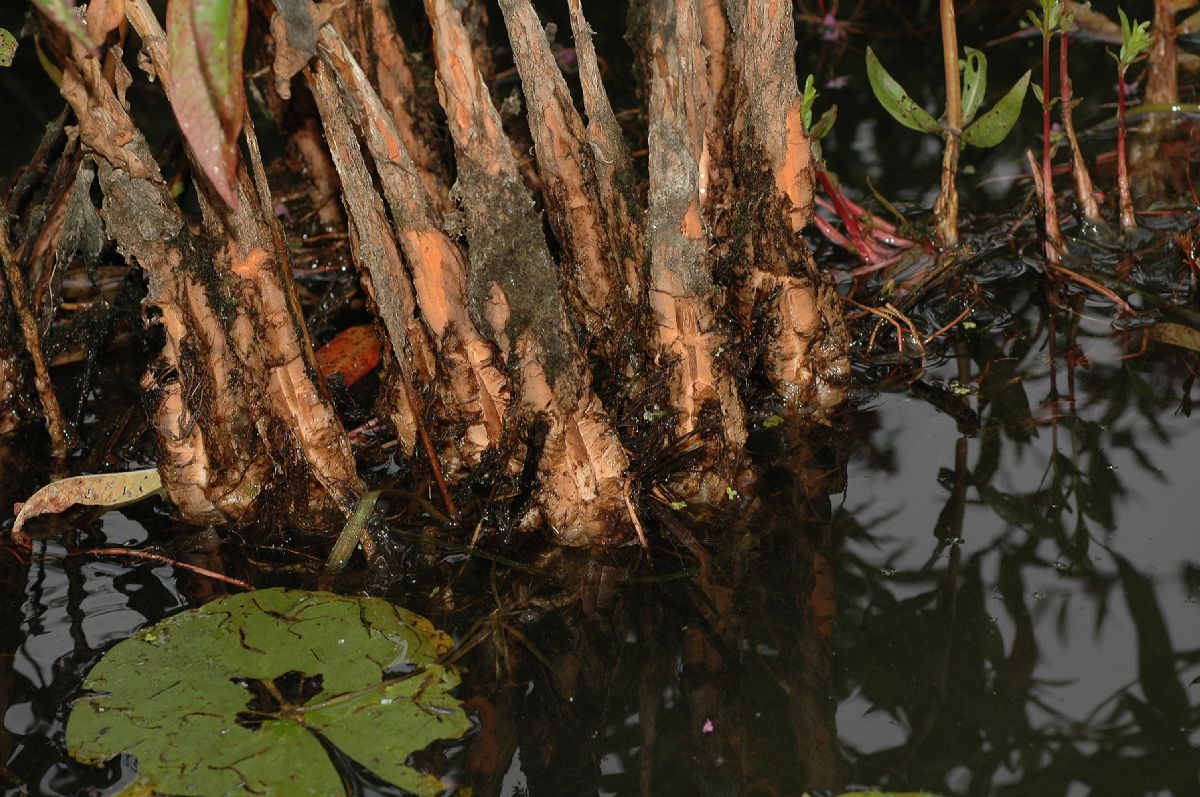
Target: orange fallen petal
352, 354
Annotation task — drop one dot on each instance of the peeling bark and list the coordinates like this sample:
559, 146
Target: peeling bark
439, 271
232, 395
383, 56
806, 357
1162, 73
514, 295
681, 289
207, 483
570, 188
611, 164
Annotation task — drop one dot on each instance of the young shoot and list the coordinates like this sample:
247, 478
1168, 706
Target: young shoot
1135, 40
983, 131
1049, 23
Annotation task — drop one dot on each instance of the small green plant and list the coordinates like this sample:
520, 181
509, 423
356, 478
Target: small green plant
1049, 23
1135, 40
824, 124
986, 130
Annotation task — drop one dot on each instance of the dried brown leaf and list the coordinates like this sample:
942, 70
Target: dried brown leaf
110, 490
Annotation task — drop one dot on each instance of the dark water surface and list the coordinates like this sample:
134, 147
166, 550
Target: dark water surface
986, 580
1034, 630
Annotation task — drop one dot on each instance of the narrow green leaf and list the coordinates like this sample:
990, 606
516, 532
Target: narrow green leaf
1135, 39
974, 83
895, 100
63, 15
824, 124
991, 128
807, 98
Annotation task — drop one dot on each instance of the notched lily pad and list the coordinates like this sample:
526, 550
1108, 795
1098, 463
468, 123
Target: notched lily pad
240, 696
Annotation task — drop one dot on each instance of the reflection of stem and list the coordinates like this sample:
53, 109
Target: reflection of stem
945, 211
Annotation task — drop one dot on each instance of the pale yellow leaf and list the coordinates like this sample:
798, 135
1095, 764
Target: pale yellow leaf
110, 490
1177, 335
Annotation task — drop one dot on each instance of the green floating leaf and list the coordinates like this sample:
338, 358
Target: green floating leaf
235, 697
112, 490
8, 47
895, 100
991, 128
205, 39
974, 83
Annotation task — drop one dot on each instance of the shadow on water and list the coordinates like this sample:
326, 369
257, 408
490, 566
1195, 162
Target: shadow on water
985, 581
989, 593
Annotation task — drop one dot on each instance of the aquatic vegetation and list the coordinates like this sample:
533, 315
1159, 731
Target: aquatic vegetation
1135, 41
253, 693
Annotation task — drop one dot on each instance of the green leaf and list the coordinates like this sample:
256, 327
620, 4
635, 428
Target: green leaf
8, 47
112, 490
824, 124
991, 128
206, 38
234, 698
64, 16
1135, 40
807, 98
974, 83
895, 99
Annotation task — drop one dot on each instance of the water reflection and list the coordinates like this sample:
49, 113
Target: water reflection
984, 583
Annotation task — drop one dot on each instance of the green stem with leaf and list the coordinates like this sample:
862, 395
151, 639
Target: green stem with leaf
1135, 40
1048, 23
961, 128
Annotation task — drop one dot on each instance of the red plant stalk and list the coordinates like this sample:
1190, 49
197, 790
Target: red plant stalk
1054, 243
859, 235
1125, 201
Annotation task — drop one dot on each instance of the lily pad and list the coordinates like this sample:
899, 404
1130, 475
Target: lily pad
243, 695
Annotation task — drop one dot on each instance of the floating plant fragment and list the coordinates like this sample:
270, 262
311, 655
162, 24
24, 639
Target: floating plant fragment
8, 47
111, 490
1176, 334
241, 696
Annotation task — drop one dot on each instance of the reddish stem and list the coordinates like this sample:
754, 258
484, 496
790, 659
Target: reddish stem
1049, 206
1125, 197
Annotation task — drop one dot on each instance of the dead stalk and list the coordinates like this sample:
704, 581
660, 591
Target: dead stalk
56, 424
1085, 195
